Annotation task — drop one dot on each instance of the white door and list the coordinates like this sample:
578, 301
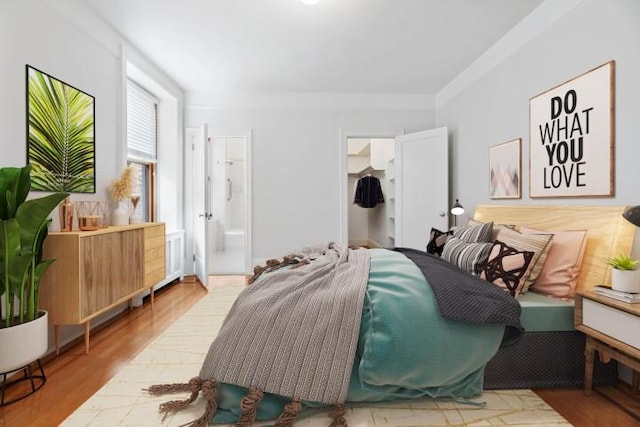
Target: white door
421, 186
201, 203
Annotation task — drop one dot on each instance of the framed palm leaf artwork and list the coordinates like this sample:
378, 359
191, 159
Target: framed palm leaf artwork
60, 135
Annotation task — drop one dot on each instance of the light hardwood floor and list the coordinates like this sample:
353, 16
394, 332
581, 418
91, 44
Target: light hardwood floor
73, 376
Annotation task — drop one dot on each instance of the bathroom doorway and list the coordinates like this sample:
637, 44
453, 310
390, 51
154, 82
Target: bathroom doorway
229, 230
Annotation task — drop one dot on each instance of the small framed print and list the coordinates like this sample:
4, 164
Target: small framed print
505, 177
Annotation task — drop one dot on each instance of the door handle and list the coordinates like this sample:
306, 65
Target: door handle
230, 189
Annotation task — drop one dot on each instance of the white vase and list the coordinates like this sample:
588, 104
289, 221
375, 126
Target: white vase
625, 280
24, 343
120, 215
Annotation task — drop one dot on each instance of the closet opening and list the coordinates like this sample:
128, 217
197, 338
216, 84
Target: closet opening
371, 204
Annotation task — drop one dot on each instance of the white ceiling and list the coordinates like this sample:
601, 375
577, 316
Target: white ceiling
335, 46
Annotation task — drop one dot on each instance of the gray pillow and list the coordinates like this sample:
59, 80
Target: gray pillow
470, 257
480, 232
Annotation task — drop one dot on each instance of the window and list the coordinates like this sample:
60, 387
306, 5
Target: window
141, 149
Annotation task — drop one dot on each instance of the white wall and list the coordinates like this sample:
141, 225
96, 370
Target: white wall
297, 158
31, 33
66, 41
495, 108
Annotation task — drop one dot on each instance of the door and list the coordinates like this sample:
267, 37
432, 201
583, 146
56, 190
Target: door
201, 203
421, 186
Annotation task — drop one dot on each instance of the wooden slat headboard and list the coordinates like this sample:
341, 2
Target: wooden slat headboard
609, 234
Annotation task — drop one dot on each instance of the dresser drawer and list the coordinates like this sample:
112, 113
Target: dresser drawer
616, 323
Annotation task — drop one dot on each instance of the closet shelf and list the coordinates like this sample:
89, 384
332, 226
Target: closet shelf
363, 172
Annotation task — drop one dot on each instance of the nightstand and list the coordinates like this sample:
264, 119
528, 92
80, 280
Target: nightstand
612, 328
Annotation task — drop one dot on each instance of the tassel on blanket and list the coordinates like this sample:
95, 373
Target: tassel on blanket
274, 264
195, 385
248, 407
337, 415
289, 414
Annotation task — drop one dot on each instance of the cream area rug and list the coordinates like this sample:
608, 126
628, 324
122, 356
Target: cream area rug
177, 355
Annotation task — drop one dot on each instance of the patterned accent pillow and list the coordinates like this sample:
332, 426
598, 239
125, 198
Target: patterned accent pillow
437, 239
468, 256
480, 232
505, 267
537, 243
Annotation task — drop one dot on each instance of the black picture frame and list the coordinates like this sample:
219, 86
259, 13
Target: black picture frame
60, 134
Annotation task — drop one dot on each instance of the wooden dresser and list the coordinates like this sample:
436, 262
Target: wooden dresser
96, 270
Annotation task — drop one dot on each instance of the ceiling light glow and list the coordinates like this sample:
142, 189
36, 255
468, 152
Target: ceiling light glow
309, 1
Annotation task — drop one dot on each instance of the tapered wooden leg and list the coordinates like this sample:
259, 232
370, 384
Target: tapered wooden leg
56, 334
87, 326
588, 366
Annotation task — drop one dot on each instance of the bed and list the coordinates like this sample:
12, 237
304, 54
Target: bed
551, 352
423, 327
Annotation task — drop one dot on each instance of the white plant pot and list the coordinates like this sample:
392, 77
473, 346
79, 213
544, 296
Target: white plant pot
120, 215
625, 280
25, 343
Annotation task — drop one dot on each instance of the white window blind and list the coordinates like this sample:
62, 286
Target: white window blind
141, 123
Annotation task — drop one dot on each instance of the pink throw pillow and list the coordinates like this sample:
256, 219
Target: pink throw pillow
559, 275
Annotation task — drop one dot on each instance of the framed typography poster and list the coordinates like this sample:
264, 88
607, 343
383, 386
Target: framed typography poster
571, 137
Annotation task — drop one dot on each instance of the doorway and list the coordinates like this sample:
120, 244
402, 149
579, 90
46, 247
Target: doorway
416, 192
370, 166
228, 235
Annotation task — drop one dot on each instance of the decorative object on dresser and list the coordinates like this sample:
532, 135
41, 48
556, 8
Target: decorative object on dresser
91, 214
135, 216
23, 229
121, 193
65, 213
625, 275
97, 270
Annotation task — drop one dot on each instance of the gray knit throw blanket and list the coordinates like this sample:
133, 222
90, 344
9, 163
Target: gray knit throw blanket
292, 332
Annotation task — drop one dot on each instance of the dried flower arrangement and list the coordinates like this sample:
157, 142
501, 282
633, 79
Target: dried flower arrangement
121, 186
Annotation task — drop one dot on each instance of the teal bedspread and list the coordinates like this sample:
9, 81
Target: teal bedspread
406, 349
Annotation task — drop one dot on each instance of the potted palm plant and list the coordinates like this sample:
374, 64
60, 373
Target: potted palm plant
23, 230
625, 275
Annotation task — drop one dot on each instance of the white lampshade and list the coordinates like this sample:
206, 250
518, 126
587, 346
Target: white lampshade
457, 208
